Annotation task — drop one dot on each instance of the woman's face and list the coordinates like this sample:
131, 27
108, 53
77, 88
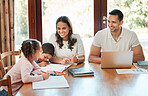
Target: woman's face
63, 30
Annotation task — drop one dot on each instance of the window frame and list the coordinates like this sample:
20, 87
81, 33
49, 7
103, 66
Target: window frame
35, 17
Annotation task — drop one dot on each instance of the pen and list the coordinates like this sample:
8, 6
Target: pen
55, 72
43, 71
58, 74
75, 55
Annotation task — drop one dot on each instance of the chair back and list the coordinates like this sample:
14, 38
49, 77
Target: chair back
6, 67
7, 82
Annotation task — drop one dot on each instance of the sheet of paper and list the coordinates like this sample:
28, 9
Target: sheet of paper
55, 67
51, 82
131, 71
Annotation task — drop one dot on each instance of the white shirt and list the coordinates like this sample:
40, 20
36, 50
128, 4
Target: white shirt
65, 52
125, 42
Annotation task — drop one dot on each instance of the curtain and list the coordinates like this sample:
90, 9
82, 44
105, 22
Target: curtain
7, 28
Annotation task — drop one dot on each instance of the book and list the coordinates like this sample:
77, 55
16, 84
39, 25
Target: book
140, 66
142, 62
81, 72
51, 82
56, 67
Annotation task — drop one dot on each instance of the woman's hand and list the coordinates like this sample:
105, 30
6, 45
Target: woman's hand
65, 61
74, 58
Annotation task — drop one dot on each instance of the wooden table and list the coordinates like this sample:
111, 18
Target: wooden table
105, 82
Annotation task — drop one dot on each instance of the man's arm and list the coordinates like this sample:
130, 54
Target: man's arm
138, 53
94, 55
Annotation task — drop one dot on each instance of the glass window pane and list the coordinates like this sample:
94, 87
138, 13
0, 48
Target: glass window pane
80, 12
135, 18
21, 22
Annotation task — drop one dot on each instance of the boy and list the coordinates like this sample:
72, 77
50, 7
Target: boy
48, 52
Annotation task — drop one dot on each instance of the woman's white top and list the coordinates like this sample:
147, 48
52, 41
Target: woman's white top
65, 52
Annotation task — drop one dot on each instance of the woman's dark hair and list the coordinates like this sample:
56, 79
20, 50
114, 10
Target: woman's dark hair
71, 41
29, 47
117, 12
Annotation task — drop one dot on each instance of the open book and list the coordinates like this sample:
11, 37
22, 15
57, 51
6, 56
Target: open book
56, 67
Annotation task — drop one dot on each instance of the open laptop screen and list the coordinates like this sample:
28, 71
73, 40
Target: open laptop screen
116, 59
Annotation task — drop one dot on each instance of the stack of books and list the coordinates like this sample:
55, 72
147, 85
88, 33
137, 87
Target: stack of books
142, 62
141, 65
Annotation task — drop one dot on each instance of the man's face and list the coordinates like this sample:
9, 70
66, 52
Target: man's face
113, 23
45, 56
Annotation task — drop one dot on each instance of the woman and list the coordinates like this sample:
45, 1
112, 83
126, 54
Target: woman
68, 46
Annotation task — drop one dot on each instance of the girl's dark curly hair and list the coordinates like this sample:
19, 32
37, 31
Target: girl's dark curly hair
29, 47
71, 41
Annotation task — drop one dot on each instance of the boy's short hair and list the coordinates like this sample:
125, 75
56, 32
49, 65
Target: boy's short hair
48, 48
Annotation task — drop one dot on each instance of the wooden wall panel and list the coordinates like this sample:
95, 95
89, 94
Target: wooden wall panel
11, 28
35, 19
2, 27
100, 10
32, 18
7, 28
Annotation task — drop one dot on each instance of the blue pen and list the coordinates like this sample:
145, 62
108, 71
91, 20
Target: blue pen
55, 72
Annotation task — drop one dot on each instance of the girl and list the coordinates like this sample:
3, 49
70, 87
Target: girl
67, 45
26, 70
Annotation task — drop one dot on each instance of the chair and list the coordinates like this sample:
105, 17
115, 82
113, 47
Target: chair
5, 67
7, 82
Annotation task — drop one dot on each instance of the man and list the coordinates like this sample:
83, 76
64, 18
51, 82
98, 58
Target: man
115, 38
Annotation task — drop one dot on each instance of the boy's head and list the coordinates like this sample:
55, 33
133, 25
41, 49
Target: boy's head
48, 51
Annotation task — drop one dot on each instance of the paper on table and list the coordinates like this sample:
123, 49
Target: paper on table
55, 67
131, 71
51, 82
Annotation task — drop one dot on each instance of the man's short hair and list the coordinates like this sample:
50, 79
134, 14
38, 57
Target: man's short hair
117, 12
48, 48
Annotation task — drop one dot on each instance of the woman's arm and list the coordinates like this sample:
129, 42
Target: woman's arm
80, 50
80, 59
61, 61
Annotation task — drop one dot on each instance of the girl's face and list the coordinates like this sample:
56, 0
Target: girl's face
37, 54
63, 30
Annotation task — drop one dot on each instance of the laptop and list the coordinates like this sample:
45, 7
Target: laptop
116, 59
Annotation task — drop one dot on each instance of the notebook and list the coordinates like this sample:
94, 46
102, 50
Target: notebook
116, 59
56, 67
51, 82
142, 62
81, 72
140, 66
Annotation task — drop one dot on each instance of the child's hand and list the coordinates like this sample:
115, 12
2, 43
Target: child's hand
65, 61
45, 75
43, 64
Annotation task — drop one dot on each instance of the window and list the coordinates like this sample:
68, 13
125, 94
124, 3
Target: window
135, 18
21, 22
80, 12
